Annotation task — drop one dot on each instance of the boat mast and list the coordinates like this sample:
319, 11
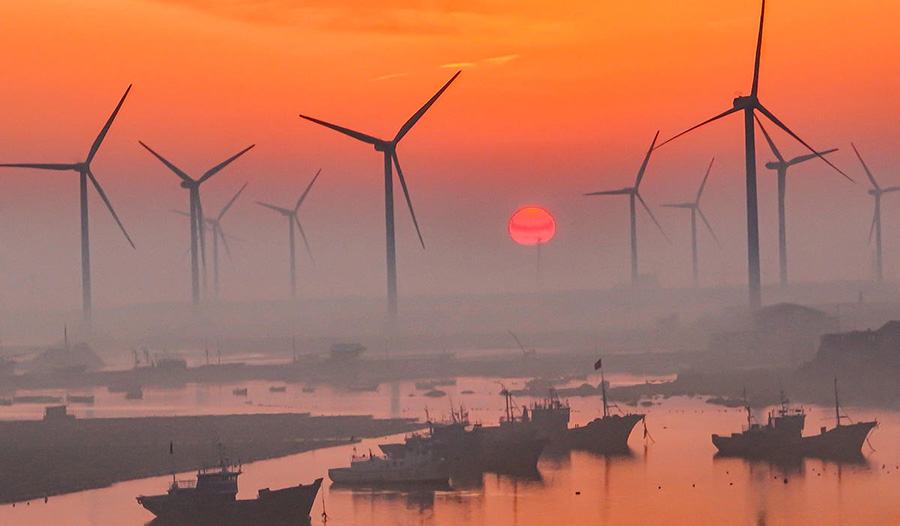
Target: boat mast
837, 405
603, 391
749, 412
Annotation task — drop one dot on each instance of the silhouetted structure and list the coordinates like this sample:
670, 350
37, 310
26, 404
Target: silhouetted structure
84, 172
750, 104
633, 193
694, 207
876, 192
781, 166
781, 334
389, 149
197, 224
291, 215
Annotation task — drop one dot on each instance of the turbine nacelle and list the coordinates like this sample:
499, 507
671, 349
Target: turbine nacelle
743, 102
387, 146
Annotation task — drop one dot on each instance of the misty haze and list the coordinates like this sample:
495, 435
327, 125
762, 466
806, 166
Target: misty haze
449, 263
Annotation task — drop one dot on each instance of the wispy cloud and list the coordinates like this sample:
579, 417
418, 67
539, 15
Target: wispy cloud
458, 65
499, 61
390, 76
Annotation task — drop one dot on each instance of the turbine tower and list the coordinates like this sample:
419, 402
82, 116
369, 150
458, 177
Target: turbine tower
750, 104
215, 223
694, 207
197, 226
389, 149
781, 166
875, 192
84, 171
291, 215
633, 193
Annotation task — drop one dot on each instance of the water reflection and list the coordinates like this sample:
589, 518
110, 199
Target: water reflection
676, 481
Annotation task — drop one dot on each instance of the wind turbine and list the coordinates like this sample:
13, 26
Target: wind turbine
750, 104
632, 193
875, 192
291, 215
218, 232
85, 173
389, 148
694, 207
197, 226
781, 166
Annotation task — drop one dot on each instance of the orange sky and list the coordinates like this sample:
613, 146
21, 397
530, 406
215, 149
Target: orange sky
555, 99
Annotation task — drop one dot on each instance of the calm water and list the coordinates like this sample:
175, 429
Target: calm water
674, 480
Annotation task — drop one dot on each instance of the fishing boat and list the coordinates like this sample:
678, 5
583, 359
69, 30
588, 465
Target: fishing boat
606, 434
212, 499
514, 446
278, 389
782, 436
239, 391
409, 463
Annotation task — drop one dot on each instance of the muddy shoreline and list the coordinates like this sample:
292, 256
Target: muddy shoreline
45, 458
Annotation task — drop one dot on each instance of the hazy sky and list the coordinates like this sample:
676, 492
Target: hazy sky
554, 100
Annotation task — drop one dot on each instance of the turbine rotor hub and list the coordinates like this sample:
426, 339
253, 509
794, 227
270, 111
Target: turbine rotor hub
744, 101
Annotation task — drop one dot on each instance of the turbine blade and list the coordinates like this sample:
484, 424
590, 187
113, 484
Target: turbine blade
214, 170
346, 131
109, 206
233, 199
769, 139
171, 166
221, 233
406, 193
762, 15
640, 174
42, 166
305, 192
890, 189
624, 191
102, 135
284, 211
305, 242
703, 184
781, 125
179, 212
201, 227
678, 205
647, 208
708, 226
692, 128
418, 115
872, 228
804, 158
866, 168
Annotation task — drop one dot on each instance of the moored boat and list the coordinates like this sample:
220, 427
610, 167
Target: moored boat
212, 499
782, 437
402, 464
607, 433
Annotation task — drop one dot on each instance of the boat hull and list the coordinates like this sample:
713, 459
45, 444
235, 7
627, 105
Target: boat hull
284, 506
842, 442
603, 435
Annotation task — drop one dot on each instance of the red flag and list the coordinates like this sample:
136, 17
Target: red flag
598, 364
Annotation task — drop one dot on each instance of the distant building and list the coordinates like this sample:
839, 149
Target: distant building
343, 352
781, 334
57, 413
879, 348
